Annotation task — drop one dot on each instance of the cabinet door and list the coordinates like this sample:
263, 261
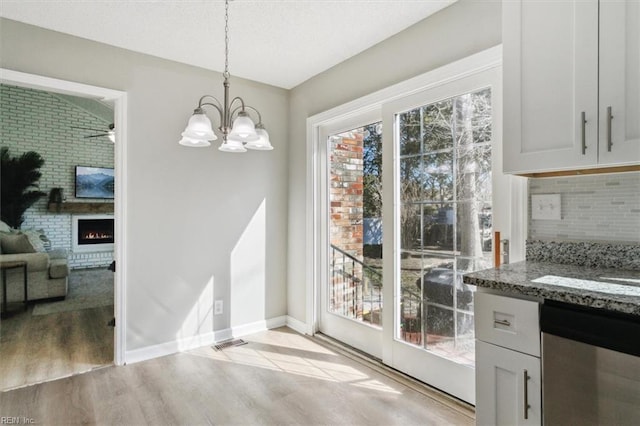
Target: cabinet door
550, 51
619, 82
501, 389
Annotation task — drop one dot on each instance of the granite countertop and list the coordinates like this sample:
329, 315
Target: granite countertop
611, 289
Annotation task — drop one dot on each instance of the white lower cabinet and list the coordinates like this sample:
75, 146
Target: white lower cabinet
508, 379
508, 387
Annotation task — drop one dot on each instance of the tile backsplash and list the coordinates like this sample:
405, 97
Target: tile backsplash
594, 207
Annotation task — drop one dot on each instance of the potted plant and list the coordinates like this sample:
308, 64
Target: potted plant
19, 190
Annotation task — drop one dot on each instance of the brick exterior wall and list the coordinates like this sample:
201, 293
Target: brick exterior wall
346, 224
346, 194
33, 120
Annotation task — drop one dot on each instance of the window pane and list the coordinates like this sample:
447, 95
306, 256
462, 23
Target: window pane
410, 132
437, 177
445, 219
437, 119
355, 210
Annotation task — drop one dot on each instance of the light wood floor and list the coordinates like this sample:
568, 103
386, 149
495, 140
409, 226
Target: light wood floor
45, 347
279, 377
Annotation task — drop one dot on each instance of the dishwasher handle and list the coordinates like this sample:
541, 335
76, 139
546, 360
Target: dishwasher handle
606, 329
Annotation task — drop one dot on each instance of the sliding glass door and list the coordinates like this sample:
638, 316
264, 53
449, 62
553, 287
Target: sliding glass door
409, 196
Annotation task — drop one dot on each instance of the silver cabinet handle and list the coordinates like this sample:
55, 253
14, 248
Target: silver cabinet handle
609, 118
583, 123
502, 322
526, 395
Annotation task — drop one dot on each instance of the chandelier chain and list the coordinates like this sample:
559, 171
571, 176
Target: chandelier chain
226, 39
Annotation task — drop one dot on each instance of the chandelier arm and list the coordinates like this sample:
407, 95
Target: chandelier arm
217, 107
256, 111
200, 102
233, 101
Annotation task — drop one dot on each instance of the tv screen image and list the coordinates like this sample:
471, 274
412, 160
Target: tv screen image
94, 182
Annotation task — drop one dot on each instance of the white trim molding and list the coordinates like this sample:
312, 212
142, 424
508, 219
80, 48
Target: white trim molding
119, 99
297, 325
206, 339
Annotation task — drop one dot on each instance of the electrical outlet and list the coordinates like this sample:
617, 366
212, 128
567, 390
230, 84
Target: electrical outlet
218, 307
546, 207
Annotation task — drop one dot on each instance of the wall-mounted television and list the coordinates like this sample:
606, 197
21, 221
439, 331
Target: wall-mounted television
94, 182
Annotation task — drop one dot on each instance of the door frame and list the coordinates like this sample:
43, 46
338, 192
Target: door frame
358, 334
480, 61
34, 81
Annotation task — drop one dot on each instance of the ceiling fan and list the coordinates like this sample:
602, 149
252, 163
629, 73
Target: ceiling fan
111, 134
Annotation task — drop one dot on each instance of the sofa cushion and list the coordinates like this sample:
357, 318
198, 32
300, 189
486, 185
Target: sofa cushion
58, 268
35, 239
35, 261
16, 243
4, 227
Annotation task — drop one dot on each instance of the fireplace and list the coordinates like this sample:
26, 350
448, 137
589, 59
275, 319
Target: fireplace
92, 233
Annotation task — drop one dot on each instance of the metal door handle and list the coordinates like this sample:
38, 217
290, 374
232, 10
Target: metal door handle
505, 251
526, 395
609, 118
506, 323
583, 123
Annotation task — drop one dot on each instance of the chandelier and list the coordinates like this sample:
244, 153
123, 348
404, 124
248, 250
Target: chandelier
238, 129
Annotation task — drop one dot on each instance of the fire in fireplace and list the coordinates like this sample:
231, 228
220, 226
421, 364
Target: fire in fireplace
92, 233
95, 231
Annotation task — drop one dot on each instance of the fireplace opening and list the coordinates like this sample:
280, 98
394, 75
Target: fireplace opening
95, 231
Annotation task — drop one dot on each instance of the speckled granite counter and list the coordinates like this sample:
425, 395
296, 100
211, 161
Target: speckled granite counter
611, 289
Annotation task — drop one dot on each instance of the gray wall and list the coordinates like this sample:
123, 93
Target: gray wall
597, 207
33, 120
466, 27
194, 214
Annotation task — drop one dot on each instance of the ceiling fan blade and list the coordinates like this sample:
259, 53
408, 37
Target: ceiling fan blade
95, 136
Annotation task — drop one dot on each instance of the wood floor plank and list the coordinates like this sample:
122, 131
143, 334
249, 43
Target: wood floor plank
279, 377
35, 348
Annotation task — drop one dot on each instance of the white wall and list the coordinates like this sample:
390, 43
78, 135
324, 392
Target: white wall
467, 27
191, 212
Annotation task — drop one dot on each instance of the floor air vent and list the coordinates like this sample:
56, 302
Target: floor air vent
228, 344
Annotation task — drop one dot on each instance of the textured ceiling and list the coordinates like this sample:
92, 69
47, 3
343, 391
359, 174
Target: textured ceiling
278, 42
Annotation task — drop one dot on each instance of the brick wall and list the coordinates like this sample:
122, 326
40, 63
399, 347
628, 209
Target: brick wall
346, 224
596, 207
346, 193
33, 120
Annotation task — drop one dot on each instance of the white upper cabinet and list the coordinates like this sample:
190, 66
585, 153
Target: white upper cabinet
619, 82
553, 119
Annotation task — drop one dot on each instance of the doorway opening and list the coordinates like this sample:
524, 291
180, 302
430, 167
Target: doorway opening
69, 325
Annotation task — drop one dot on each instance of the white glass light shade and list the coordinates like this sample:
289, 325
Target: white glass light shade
194, 143
263, 143
243, 129
112, 136
232, 146
199, 127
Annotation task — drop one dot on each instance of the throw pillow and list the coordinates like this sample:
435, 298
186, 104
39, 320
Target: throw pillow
4, 227
16, 243
35, 239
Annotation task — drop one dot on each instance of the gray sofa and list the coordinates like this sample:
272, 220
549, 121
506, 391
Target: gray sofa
47, 276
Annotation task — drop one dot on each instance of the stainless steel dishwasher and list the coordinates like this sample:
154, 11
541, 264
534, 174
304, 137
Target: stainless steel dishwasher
590, 366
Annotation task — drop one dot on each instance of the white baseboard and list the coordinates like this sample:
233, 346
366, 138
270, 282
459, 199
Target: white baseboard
255, 327
297, 325
193, 342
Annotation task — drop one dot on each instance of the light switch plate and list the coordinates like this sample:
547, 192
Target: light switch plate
546, 207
